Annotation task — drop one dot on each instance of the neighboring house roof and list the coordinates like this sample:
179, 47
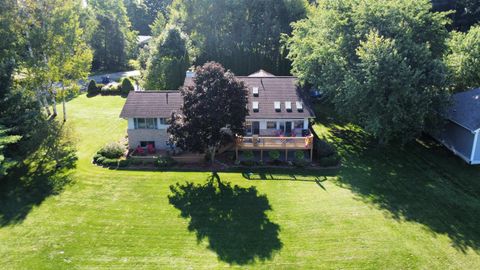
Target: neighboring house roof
143, 39
273, 89
465, 110
152, 104
261, 73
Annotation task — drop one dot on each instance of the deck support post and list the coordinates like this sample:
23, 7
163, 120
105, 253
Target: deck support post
261, 155
311, 154
286, 154
236, 152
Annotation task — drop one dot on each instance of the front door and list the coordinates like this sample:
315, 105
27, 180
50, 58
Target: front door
255, 128
288, 128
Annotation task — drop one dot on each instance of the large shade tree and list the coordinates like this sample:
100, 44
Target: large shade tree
380, 62
168, 60
214, 109
463, 59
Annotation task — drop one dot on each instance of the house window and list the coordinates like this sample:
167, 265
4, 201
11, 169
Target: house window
146, 143
298, 124
145, 123
163, 121
248, 128
271, 125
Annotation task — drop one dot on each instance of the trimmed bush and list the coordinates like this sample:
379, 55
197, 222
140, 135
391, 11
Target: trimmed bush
100, 160
96, 157
165, 162
248, 163
99, 87
92, 88
112, 150
108, 162
248, 155
274, 155
110, 90
123, 163
330, 161
126, 86
136, 162
324, 149
299, 155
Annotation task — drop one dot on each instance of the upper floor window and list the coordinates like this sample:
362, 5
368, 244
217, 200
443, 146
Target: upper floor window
145, 123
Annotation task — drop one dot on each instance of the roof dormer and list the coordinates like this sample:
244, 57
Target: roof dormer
255, 106
255, 91
276, 105
288, 106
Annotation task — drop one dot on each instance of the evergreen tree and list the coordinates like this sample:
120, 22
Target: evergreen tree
113, 41
243, 35
169, 60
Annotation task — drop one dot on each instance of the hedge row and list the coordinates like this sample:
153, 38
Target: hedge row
124, 88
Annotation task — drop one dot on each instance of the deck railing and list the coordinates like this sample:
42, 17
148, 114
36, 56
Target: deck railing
260, 142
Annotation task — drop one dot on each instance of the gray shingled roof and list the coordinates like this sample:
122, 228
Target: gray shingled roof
465, 110
151, 104
271, 89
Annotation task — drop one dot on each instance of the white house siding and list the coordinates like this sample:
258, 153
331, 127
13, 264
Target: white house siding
458, 139
136, 136
159, 136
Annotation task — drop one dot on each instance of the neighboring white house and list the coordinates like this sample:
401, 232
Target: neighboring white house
277, 107
461, 133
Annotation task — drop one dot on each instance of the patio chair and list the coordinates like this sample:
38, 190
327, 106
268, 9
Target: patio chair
151, 149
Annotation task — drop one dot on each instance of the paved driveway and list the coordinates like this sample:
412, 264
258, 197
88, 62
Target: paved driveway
115, 76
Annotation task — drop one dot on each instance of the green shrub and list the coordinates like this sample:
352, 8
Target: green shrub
301, 163
248, 155
112, 89
126, 86
112, 150
100, 160
165, 162
96, 157
299, 155
136, 162
248, 163
99, 87
330, 161
123, 163
274, 155
92, 88
108, 162
324, 149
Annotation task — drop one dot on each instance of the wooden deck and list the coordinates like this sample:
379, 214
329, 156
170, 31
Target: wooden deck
262, 143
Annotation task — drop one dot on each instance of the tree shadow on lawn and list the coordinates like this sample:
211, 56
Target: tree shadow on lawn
421, 182
45, 172
232, 218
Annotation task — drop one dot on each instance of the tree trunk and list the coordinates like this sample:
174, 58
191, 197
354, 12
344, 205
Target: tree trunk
54, 103
63, 104
45, 104
212, 150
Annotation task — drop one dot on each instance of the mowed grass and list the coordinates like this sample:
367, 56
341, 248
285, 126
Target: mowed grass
411, 208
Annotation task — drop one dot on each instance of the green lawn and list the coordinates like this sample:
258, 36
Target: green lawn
410, 208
